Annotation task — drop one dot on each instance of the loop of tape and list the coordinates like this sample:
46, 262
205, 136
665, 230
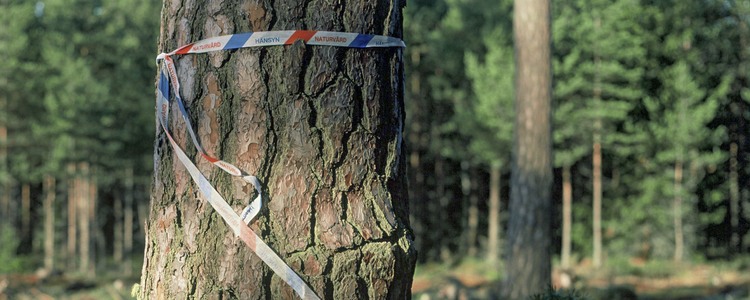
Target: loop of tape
239, 222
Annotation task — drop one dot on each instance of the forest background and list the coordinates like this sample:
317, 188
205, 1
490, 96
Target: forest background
651, 109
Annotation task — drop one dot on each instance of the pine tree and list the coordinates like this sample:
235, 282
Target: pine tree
679, 121
321, 127
488, 121
598, 55
528, 263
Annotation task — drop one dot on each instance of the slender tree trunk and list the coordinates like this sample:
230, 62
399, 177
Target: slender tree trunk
472, 211
83, 217
441, 228
567, 217
597, 157
4, 171
321, 127
734, 199
493, 220
26, 212
677, 212
72, 214
95, 240
117, 230
49, 222
528, 263
597, 203
128, 221
416, 133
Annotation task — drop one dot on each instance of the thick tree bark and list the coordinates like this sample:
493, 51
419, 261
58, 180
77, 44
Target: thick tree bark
528, 265
321, 128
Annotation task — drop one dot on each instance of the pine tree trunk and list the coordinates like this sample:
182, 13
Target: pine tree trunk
679, 238
26, 213
441, 212
734, 200
72, 214
95, 240
320, 127
49, 222
567, 193
528, 264
128, 221
597, 203
596, 163
493, 220
117, 230
472, 211
83, 217
4, 181
415, 134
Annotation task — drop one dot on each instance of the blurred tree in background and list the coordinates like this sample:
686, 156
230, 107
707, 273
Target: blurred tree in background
75, 109
650, 126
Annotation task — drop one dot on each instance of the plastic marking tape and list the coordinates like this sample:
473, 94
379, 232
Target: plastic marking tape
239, 222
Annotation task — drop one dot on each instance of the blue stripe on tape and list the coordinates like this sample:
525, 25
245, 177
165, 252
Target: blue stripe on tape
361, 41
164, 85
237, 40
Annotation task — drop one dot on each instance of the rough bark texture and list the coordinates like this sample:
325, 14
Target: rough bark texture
321, 127
528, 239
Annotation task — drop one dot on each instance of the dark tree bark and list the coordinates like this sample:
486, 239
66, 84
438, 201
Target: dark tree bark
528, 239
321, 127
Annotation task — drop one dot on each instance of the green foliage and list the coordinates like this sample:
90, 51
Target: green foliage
93, 62
9, 241
488, 120
597, 63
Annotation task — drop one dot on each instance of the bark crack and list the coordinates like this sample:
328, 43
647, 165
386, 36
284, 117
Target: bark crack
271, 135
357, 115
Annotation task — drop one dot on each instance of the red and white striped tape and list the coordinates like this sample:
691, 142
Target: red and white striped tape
288, 37
239, 223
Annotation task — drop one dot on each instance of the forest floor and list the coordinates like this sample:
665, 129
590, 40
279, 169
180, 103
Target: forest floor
470, 279
631, 280
65, 286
